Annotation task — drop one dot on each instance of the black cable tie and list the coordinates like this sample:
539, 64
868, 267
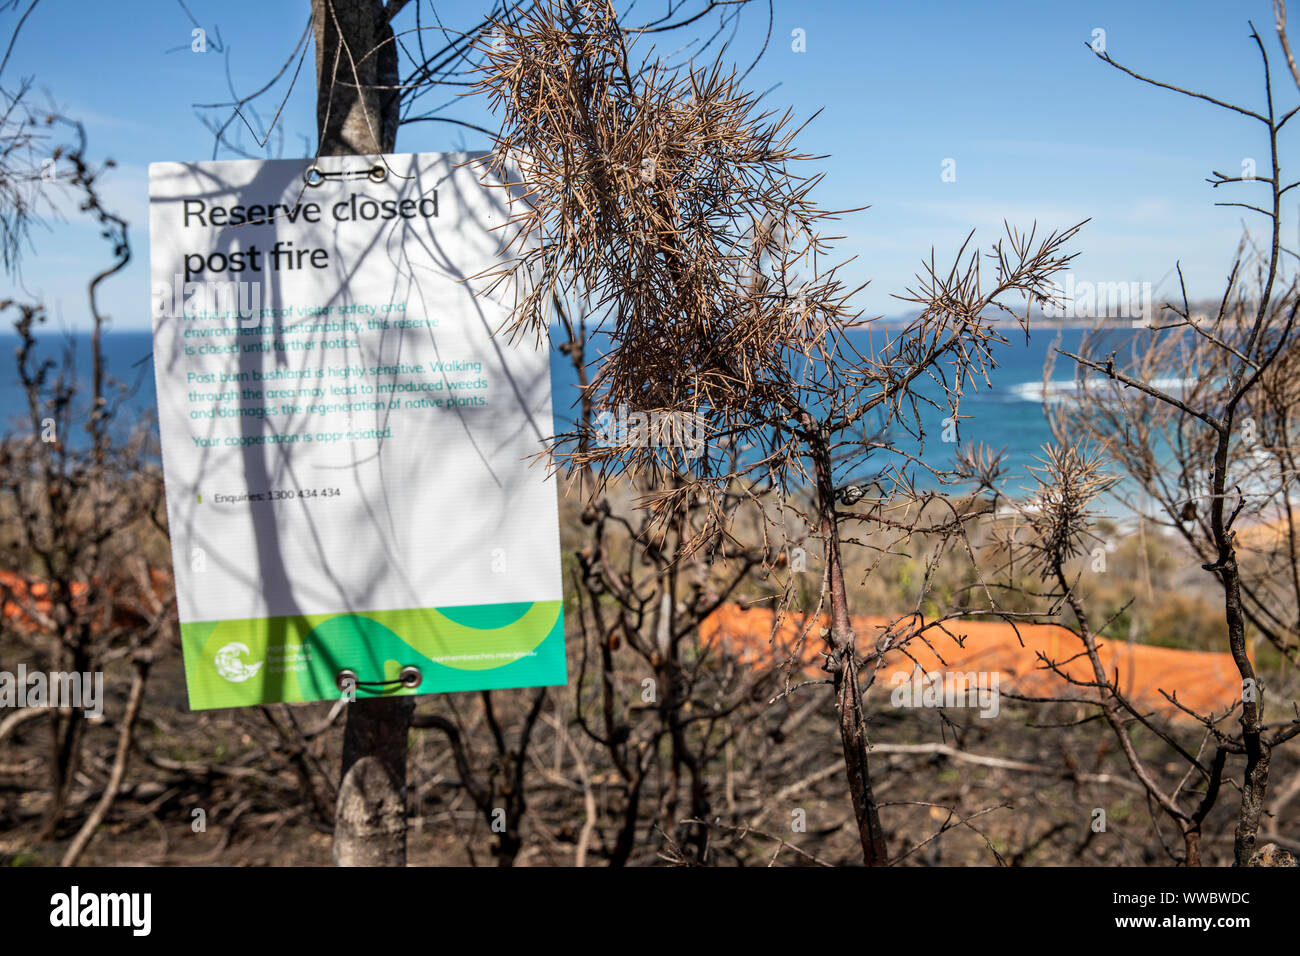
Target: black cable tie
347, 679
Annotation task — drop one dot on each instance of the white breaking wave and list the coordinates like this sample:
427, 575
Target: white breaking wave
1067, 390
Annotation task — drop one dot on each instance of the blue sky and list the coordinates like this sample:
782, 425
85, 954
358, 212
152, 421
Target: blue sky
1039, 129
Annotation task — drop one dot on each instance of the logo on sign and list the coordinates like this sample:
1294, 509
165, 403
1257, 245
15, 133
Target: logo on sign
230, 664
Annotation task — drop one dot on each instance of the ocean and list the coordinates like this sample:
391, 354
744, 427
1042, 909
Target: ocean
1005, 414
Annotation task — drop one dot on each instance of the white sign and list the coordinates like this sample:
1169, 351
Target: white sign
349, 452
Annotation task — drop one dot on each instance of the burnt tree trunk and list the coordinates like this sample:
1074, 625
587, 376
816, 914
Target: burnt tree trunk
843, 665
356, 59
1255, 782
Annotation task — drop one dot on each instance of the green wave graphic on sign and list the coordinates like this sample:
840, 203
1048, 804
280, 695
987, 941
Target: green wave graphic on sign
235, 663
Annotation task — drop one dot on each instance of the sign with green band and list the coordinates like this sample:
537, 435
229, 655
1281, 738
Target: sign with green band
349, 450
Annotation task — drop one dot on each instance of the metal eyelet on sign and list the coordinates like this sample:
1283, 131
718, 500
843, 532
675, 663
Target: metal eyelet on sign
313, 175
378, 173
410, 676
